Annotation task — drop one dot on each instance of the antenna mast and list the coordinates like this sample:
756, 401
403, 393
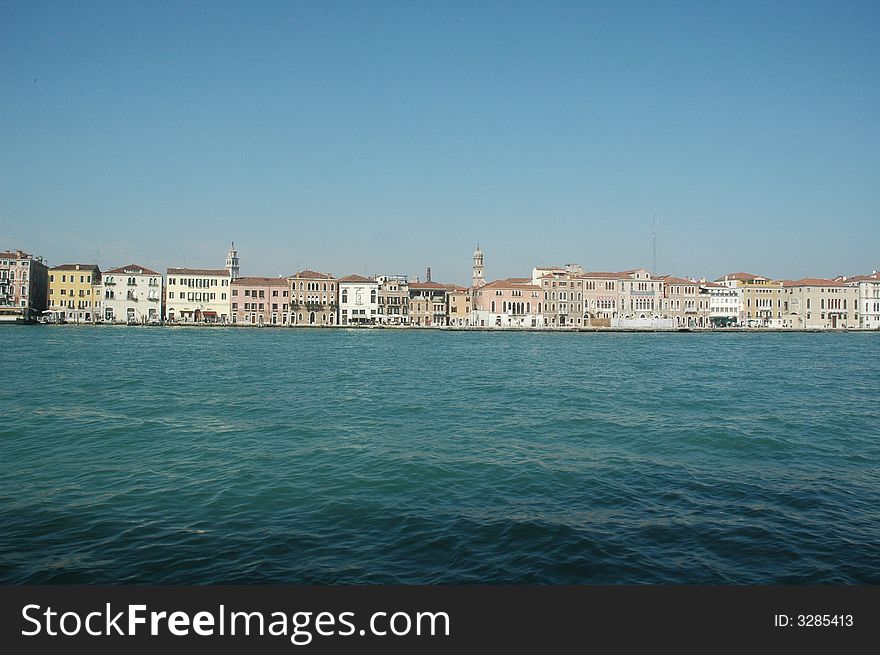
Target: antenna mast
654, 247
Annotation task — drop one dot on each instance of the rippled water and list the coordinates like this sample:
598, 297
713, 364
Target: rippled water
328, 456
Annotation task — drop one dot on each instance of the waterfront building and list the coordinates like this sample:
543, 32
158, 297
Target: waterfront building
760, 299
358, 300
314, 298
513, 302
641, 295
724, 303
869, 298
427, 303
197, 295
684, 302
458, 305
260, 301
602, 291
762, 304
24, 281
130, 294
72, 292
816, 303
563, 295
393, 301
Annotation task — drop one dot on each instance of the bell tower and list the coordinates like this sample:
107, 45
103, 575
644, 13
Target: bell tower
232, 263
478, 279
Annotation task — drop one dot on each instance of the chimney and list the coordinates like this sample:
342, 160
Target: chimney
428, 275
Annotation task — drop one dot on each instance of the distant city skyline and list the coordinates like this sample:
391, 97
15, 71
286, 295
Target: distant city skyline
385, 138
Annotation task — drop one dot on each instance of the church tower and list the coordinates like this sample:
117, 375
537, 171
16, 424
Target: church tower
232, 263
478, 279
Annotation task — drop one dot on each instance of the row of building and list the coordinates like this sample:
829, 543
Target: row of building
553, 297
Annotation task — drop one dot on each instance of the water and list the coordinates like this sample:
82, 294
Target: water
174, 455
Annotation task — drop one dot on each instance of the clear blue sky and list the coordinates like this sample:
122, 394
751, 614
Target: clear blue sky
371, 137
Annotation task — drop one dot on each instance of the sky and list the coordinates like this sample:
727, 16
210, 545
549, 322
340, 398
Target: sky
385, 137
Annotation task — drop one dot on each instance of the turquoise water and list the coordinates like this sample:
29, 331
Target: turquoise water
175, 455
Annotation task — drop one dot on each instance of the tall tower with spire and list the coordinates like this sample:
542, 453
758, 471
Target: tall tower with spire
232, 263
478, 279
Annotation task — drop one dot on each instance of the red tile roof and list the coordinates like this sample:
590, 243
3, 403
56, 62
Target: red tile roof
873, 277
124, 269
510, 283
427, 285
604, 275
8, 254
198, 271
260, 281
812, 282
313, 275
357, 278
668, 279
742, 276
76, 267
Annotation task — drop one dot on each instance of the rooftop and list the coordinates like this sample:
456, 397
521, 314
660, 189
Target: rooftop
357, 278
812, 282
260, 281
747, 277
198, 271
313, 275
76, 267
132, 268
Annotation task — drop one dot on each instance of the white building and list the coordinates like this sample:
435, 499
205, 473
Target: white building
725, 303
131, 294
640, 302
198, 295
358, 300
869, 298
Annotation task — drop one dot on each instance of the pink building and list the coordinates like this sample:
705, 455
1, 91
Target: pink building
23, 286
260, 301
514, 302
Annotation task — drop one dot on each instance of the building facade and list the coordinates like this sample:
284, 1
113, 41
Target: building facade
819, 304
724, 303
685, 302
762, 304
869, 298
393, 301
358, 300
130, 294
510, 303
641, 296
563, 298
601, 297
458, 306
260, 301
427, 304
24, 284
73, 292
197, 295
314, 299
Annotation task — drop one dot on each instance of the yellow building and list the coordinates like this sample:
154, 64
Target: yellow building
72, 295
458, 300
